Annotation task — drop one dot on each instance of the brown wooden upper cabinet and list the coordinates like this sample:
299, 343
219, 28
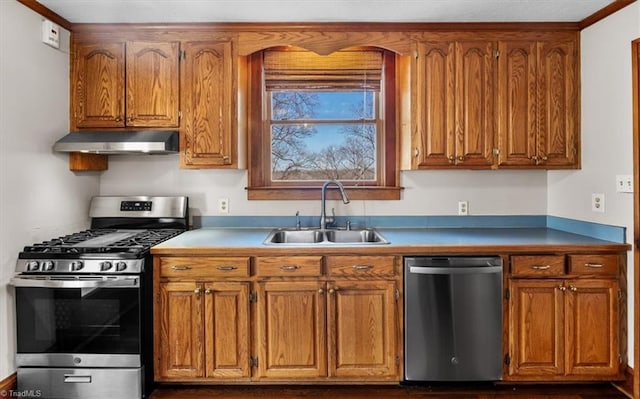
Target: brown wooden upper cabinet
538, 104
453, 105
209, 138
534, 123
126, 84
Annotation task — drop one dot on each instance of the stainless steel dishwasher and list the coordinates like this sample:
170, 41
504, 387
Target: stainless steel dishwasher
453, 318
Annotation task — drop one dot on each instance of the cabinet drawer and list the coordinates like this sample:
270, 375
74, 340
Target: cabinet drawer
594, 264
537, 265
290, 266
233, 266
361, 265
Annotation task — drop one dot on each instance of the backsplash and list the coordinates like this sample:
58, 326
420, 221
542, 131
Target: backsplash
600, 231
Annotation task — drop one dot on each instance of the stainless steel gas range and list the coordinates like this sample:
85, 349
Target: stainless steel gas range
84, 302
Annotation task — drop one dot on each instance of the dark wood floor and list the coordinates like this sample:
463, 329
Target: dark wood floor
382, 392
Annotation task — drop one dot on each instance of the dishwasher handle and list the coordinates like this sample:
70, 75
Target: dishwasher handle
455, 270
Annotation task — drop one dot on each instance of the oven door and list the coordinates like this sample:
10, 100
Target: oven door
72, 321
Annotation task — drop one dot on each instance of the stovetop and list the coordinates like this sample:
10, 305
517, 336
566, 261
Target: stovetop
101, 241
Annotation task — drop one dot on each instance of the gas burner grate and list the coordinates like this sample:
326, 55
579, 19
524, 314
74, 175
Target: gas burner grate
137, 241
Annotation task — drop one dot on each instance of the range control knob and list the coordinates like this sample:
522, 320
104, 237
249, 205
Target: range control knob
48, 266
76, 265
104, 266
33, 266
120, 266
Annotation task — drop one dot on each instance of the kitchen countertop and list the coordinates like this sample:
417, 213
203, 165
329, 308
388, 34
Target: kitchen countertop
249, 241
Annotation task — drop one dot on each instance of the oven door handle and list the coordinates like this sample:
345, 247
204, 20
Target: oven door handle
121, 282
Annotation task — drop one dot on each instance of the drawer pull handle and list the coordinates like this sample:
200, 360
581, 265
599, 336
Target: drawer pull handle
76, 379
289, 268
227, 268
594, 265
362, 267
180, 267
541, 267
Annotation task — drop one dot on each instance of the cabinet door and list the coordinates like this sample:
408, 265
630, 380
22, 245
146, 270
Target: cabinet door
181, 330
209, 139
517, 103
291, 330
557, 104
362, 329
592, 322
434, 105
152, 84
536, 332
474, 99
99, 85
226, 321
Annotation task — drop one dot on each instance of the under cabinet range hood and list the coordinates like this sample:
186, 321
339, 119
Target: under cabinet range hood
120, 142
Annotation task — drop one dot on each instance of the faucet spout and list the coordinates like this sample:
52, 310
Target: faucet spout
324, 219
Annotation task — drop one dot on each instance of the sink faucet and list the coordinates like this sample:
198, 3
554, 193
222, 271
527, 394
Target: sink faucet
324, 219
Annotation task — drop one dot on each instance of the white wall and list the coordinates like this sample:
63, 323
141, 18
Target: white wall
425, 193
39, 197
607, 133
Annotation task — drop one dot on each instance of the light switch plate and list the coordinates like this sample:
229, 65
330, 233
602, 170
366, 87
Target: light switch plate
624, 183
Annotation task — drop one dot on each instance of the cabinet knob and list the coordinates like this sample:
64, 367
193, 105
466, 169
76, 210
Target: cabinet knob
196, 291
320, 291
207, 291
332, 290
562, 288
452, 158
461, 158
573, 288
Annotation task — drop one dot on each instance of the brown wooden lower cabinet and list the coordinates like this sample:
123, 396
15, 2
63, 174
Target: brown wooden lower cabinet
338, 318
216, 322
362, 329
291, 330
563, 328
204, 331
179, 346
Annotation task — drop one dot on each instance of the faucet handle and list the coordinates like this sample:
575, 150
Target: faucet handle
348, 226
298, 226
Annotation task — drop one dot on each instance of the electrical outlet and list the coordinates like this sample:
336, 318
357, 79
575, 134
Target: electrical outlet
597, 202
624, 183
223, 205
463, 208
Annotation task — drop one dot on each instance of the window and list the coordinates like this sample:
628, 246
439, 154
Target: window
314, 118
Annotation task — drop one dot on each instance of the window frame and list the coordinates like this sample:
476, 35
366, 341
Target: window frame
260, 185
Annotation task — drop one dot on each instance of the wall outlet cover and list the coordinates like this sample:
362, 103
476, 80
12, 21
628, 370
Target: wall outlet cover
597, 202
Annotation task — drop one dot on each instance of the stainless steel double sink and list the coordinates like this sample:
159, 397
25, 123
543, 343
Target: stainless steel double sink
324, 237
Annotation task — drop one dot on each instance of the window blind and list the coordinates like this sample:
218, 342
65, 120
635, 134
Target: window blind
305, 70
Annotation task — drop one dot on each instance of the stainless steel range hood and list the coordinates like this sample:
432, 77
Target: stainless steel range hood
120, 142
